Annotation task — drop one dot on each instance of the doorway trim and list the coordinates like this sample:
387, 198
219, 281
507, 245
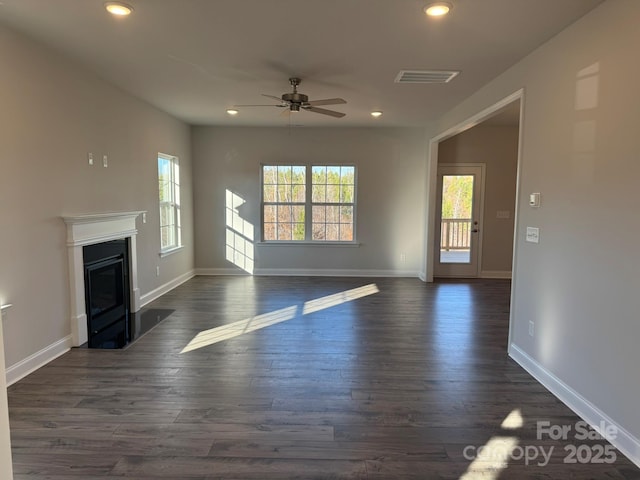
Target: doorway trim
432, 177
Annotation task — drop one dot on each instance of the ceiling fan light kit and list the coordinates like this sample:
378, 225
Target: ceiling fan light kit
295, 101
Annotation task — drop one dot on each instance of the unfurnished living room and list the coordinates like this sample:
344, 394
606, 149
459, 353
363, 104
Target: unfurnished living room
319, 239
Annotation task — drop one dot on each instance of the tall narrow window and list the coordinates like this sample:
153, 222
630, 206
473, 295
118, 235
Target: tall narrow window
169, 188
315, 204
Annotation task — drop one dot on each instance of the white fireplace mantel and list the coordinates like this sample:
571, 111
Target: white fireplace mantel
88, 230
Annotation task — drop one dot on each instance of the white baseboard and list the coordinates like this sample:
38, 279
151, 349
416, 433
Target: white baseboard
220, 271
624, 441
33, 362
309, 272
495, 274
162, 289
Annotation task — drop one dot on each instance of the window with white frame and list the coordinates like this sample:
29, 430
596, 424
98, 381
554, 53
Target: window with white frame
169, 191
315, 204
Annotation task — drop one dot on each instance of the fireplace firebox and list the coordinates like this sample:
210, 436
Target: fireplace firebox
106, 282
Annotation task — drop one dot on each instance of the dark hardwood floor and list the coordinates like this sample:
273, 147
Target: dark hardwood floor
332, 378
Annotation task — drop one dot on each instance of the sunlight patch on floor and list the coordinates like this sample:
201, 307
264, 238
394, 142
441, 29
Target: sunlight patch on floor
339, 298
226, 332
491, 459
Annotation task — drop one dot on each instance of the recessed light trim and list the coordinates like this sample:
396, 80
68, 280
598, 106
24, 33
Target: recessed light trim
376, 113
438, 9
118, 9
232, 111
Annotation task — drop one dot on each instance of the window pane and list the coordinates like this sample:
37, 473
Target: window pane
284, 231
333, 194
318, 231
298, 193
270, 231
333, 175
297, 213
284, 193
318, 214
298, 231
346, 232
284, 213
346, 214
269, 194
299, 175
347, 175
332, 232
346, 194
333, 215
284, 174
319, 175
318, 193
269, 175
269, 213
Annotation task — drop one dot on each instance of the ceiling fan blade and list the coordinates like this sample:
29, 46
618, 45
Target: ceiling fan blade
324, 111
272, 96
328, 101
265, 105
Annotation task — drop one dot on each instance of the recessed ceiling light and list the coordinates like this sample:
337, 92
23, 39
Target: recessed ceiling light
118, 9
376, 114
232, 111
437, 9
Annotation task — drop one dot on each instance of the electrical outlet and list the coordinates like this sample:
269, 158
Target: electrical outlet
533, 235
403, 258
157, 271
532, 327
105, 161
90, 158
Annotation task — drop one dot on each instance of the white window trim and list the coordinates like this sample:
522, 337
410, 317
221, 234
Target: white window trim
176, 205
308, 205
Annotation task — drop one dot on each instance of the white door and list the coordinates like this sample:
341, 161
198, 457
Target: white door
458, 220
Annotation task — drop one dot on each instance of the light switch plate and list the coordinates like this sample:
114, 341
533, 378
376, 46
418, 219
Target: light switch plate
533, 234
534, 200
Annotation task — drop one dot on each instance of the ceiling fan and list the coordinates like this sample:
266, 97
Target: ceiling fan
295, 101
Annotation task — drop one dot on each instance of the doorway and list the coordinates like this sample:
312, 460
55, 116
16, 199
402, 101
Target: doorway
459, 209
494, 242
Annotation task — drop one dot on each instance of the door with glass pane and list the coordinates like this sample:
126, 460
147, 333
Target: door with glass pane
458, 220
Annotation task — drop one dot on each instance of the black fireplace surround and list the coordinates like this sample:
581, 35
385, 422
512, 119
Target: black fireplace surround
106, 283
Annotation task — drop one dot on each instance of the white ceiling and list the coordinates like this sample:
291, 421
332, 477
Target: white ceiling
196, 58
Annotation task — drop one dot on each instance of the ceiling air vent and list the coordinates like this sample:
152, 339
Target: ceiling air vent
425, 76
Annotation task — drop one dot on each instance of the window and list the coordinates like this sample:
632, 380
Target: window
169, 188
324, 212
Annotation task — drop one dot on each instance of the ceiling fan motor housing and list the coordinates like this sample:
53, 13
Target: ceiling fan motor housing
295, 98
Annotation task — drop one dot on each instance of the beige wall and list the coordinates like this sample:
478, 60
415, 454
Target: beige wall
497, 148
53, 113
581, 148
390, 169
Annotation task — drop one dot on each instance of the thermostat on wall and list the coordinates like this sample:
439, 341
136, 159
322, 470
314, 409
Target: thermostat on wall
534, 200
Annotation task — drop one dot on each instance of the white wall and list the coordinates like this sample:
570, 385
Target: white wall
581, 150
53, 113
390, 217
497, 148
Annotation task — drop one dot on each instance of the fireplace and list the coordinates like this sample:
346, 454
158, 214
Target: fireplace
106, 285
111, 264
